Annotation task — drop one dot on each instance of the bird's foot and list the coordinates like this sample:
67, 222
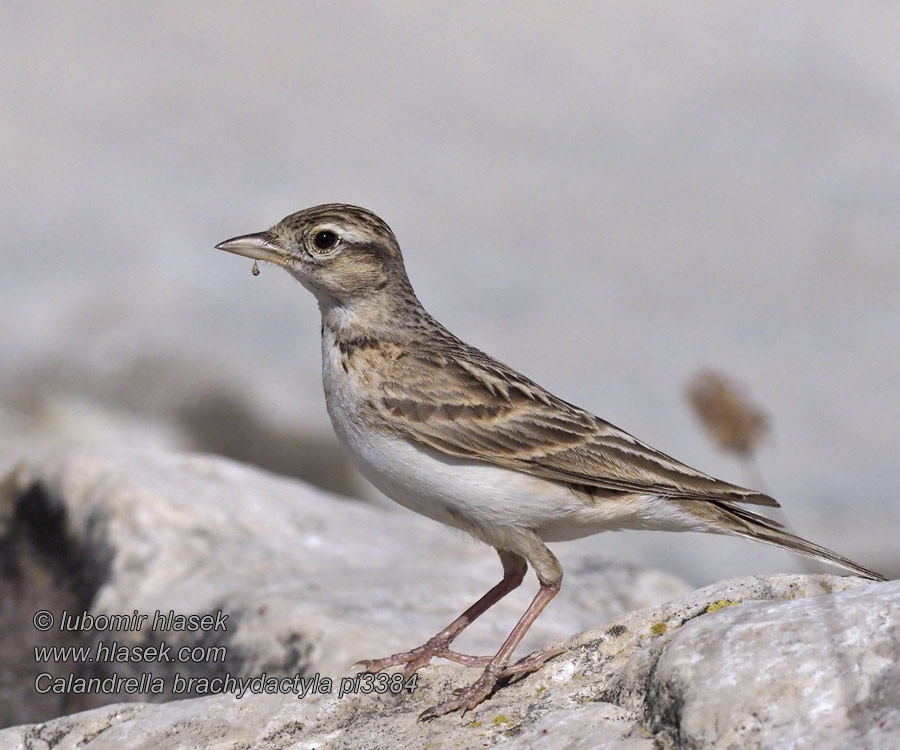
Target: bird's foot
420, 657
471, 695
468, 697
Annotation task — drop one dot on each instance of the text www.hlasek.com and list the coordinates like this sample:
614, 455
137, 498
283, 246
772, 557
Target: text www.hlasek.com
114, 652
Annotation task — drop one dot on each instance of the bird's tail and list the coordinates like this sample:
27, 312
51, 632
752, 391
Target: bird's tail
733, 519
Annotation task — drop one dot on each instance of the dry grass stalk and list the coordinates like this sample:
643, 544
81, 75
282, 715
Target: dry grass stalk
734, 423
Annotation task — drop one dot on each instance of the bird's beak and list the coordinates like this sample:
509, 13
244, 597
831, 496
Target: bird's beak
258, 246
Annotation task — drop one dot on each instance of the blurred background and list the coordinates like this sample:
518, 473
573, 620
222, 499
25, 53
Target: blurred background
608, 197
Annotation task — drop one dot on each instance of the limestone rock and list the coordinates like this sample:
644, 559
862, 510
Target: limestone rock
645, 680
805, 673
310, 582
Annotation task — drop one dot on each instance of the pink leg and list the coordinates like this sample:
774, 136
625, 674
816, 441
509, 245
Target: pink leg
475, 693
550, 575
514, 567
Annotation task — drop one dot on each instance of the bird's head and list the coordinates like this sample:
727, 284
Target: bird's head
345, 255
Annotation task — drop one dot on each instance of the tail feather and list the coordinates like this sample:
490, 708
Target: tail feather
741, 522
754, 519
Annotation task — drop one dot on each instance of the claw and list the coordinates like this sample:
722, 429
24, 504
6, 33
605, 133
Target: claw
374, 666
466, 698
531, 663
428, 713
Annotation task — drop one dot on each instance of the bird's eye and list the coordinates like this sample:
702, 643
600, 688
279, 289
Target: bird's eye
325, 240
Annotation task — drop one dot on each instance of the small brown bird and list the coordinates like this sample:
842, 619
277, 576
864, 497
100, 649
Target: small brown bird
451, 433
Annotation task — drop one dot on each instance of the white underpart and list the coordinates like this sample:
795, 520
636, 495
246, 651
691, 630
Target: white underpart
492, 502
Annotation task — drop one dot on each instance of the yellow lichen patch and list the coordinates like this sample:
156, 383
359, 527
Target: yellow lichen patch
475, 724
500, 719
658, 628
721, 604
541, 689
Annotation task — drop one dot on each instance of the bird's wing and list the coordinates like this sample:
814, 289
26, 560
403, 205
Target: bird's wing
459, 401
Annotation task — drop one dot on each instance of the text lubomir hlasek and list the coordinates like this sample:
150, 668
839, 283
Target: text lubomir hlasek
164, 621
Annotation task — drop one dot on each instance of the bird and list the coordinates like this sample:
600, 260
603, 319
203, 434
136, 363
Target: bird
451, 433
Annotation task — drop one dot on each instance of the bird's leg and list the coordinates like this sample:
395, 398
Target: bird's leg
514, 567
549, 573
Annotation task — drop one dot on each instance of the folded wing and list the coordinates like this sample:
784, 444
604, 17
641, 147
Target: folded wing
459, 401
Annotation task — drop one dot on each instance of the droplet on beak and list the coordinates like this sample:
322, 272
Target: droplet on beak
255, 269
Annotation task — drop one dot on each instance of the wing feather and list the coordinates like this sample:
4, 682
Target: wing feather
459, 401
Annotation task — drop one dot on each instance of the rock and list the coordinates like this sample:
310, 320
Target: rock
163, 402
806, 673
645, 680
310, 582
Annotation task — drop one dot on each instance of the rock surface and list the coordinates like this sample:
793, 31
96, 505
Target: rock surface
781, 674
626, 686
310, 584
310, 581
